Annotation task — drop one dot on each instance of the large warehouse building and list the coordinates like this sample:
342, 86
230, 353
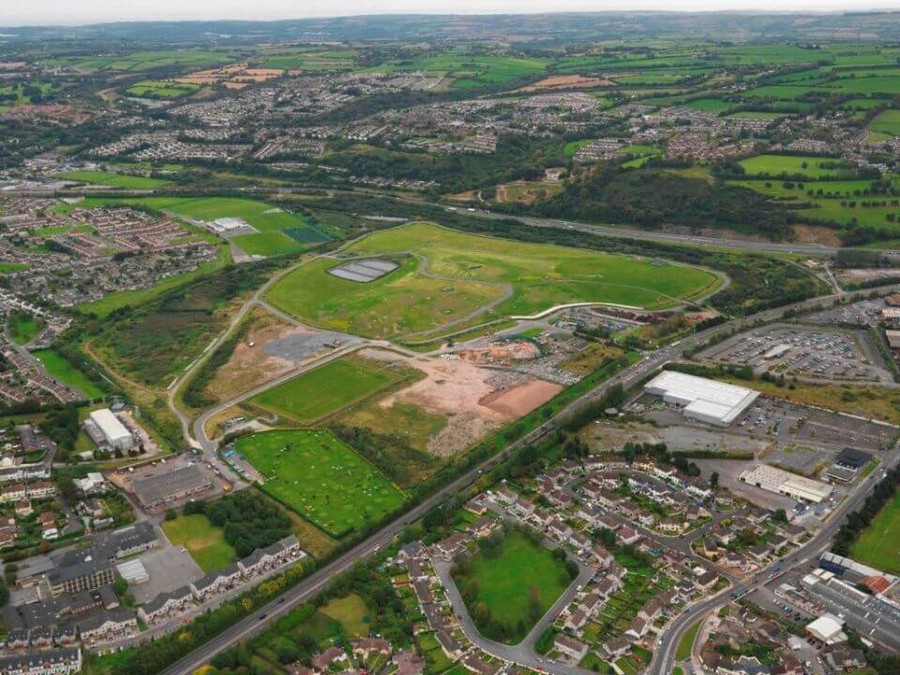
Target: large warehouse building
114, 432
783, 482
702, 399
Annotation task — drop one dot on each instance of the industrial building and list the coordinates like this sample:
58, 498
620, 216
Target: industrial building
161, 490
782, 482
702, 399
827, 629
112, 431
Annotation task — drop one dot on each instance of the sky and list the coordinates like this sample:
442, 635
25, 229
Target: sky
60, 12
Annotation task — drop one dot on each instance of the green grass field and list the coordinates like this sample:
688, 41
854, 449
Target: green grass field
162, 89
448, 276
280, 232
312, 60
24, 327
63, 370
203, 540
470, 71
683, 653
810, 167
887, 122
351, 612
524, 572
142, 61
120, 180
321, 478
325, 390
879, 544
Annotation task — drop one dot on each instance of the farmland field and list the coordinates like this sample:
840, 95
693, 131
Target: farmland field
147, 60
324, 480
325, 390
811, 167
63, 370
114, 179
447, 276
879, 543
517, 585
162, 89
203, 540
887, 122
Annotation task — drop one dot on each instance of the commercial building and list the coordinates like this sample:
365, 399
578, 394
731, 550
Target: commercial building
782, 482
162, 489
827, 629
702, 399
114, 433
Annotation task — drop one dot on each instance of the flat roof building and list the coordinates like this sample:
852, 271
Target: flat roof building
114, 432
702, 399
777, 480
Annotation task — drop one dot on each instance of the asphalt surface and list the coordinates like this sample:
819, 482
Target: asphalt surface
664, 657
310, 586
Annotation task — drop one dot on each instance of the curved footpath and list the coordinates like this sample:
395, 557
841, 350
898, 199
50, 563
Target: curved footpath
664, 654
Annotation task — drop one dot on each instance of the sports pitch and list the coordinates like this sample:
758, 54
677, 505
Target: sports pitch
321, 478
879, 544
447, 277
325, 390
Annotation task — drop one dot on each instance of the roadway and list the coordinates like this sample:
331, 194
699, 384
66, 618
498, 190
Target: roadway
313, 584
664, 657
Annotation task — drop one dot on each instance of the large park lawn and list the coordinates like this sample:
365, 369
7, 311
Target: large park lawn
516, 587
203, 540
62, 369
879, 544
446, 276
325, 390
321, 478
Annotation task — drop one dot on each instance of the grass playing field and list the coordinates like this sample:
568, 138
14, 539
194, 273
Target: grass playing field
879, 544
203, 540
524, 572
63, 370
324, 480
161, 89
810, 167
114, 179
279, 232
448, 276
325, 390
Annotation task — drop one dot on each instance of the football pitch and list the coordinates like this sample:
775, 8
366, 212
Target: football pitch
879, 544
325, 390
321, 478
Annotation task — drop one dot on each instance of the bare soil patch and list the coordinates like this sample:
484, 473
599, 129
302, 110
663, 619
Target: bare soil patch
816, 234
568, 82
475, 400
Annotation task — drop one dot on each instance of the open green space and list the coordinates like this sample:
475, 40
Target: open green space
279, 231
712, 105
794, 165
10, 268
24, 327
351, 612
65, 371
511, 585
162, 89
120, 180
304, 59
469, 71
321, 392
318, 476
203, 540
141, 61
887, 122
446, 276
879, 543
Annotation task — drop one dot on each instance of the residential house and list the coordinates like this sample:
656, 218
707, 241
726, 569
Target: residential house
576, 649
214, 583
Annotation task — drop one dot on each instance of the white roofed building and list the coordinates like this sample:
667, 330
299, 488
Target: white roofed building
702, 399
113, 431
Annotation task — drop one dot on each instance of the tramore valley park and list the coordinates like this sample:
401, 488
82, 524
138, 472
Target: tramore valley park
423, 344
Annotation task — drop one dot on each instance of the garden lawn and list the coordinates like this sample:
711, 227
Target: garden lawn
325, 390
203, 540
446, 277
321, 478
506, 583
65, 371
879, 543
351, 612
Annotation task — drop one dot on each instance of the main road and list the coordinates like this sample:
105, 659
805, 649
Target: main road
317, 581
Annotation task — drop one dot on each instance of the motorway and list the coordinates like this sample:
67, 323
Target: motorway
664, 654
